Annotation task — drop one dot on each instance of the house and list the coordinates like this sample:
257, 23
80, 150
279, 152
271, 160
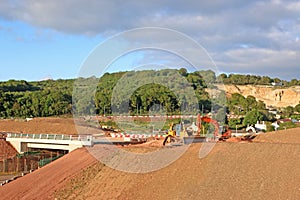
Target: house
277, 116
274, 112
260, 127
277, 84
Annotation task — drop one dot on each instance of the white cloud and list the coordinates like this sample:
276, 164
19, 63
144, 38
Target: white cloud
267, 31
283, 63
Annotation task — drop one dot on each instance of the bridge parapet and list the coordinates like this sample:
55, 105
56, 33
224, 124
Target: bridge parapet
50, 136
49, 141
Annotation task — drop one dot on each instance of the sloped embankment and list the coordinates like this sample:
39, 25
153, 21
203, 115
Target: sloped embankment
41, 183
258, 170
6, 150
290, 136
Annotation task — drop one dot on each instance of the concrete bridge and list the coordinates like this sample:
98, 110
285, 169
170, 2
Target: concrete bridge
23, 142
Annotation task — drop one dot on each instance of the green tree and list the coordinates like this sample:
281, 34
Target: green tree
288, 111
183, 71
270, 127
297, 108
268, 116
221, 116
233, 123
252, 117
208, 76
250, 103
293, 82
222, 78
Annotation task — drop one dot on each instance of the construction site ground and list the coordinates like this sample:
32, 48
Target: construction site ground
47, 125
266, 168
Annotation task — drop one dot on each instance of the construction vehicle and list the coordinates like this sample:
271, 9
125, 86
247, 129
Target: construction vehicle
225, 134
171, 136
195, 136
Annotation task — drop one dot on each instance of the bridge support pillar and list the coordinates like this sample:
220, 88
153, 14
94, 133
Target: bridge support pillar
17, 145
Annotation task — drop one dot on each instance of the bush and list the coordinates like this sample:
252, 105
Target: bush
234, 122
287, 125
270, 128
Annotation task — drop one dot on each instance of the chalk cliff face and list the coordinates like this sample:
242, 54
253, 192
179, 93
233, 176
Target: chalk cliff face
272, 96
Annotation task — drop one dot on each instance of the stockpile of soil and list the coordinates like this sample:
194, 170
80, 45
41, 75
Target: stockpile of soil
6, 150
234, 139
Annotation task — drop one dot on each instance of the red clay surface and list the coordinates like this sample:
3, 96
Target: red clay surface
45, 125
290, 136
231, 171
267, 168
41, 183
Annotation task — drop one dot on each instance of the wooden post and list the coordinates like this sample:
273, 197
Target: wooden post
25, 165
5, 165
17, 165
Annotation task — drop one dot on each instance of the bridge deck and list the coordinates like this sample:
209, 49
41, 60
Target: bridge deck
46, 141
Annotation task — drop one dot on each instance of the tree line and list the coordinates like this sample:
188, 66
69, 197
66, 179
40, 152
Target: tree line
35, 99
134, 92
143, 92
165, 91
241, 79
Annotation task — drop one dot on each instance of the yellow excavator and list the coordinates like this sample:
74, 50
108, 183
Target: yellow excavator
171, 135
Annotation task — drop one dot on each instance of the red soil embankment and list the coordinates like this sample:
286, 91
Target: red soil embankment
41, 183
257, 170
6, 150
267, 168
290, 136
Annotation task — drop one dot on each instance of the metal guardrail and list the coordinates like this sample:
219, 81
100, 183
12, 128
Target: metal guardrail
50, 136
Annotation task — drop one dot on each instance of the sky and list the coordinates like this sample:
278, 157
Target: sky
52, 39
